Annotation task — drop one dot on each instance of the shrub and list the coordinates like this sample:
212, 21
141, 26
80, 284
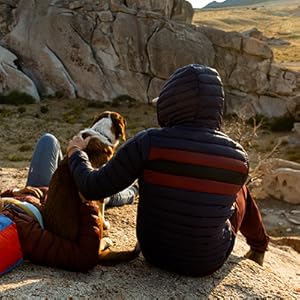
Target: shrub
16, 157
16, 98
21, 109
59, 94
275, 124
4, 112
97, 104
44, 109
25, 148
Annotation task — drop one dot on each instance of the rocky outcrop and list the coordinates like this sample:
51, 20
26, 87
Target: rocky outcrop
253, 83
103, 49
280, 180
13, 79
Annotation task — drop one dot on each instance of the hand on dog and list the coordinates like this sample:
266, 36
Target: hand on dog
77, 143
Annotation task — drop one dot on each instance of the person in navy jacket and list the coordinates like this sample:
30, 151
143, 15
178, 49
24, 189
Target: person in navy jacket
192, 194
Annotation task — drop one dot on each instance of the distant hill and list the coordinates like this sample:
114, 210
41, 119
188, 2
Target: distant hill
229, 3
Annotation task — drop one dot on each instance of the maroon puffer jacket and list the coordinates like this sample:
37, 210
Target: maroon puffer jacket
45, 248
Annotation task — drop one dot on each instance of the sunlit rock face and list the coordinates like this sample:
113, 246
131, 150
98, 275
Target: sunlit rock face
99, 50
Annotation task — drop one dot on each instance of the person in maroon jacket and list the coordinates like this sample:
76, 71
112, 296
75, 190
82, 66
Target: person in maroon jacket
192, 194
25, 206
39, 245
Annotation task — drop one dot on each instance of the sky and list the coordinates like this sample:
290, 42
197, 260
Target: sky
201, 3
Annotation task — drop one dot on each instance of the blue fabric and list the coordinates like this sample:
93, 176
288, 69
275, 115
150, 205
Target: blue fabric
4, 222
45, 159
35, 211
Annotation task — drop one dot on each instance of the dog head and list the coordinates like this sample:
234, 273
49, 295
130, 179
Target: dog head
106, 130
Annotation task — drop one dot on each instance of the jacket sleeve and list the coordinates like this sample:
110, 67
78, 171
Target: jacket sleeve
117, 174
45, 248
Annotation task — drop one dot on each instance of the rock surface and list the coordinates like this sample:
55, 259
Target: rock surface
238, 278
280, 179
100, 50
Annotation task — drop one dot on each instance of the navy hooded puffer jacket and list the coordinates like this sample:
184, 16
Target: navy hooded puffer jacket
189, 173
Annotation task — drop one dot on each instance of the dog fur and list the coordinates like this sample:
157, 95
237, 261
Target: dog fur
61, 212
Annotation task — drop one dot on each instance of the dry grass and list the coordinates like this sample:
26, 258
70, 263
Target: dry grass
19, 131
279, 21
65, 117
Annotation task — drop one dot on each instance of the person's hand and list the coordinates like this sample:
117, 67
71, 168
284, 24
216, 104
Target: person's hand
77, 143
28, 190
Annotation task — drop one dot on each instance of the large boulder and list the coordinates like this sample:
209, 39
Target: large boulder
13, 79
103, 49
280, 179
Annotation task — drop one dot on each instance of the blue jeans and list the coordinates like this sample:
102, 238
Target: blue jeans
45, 159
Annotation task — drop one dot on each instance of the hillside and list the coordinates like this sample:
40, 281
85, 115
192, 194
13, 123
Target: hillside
278, 21
230, 3
233, 3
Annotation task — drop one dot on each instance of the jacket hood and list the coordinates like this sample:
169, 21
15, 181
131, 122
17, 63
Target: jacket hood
193, 95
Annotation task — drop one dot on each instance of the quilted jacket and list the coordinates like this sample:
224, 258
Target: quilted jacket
189, 173
45, 248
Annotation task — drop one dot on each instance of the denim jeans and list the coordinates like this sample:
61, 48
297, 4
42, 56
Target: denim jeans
45, 159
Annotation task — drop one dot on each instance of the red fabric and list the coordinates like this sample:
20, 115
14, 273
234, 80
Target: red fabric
200, 159
10, 249
248, 220
191, 184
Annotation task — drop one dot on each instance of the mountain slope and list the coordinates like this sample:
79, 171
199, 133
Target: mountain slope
233, 3
229, 3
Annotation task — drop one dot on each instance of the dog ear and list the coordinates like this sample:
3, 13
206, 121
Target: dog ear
119, 125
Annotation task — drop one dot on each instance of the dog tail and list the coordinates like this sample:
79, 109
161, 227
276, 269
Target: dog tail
108, 257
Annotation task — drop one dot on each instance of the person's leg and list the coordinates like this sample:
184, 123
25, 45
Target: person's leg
126, 196
46, 156
248, 220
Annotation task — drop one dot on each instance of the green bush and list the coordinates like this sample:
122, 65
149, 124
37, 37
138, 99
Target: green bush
16, 98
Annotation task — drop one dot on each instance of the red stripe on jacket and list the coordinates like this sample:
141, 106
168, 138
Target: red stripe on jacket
190, 183
194, 158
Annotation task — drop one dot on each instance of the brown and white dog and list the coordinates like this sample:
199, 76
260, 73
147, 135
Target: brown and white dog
61, 212
108, 128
